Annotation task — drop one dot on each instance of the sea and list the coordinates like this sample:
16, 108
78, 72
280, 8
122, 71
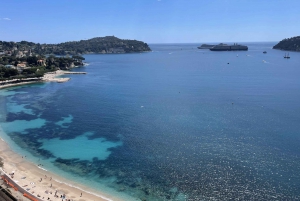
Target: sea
177, 123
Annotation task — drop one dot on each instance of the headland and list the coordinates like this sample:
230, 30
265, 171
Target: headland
289, 44
100, 45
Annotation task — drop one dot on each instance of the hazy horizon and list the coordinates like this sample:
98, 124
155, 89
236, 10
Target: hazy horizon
163, 42
151, 21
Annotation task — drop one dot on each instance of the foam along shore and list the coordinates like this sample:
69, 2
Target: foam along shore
48, 77
21, 176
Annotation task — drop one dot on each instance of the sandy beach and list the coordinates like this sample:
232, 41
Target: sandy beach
38, 181
41, 183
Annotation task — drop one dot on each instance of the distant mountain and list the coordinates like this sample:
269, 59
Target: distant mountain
290, 44
108, 44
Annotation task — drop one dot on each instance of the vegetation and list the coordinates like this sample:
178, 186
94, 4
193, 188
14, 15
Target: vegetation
108, 44
27, 59
7, 72
35, 66
290, 44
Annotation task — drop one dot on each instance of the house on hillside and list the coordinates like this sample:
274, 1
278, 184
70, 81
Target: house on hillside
8, 53
22, 66
41, 62
116, 50
20, 54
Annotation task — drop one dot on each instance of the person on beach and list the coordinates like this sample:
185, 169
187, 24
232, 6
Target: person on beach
80, 194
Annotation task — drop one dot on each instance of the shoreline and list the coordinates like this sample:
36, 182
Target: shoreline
38, 181
35, 179
48, 77
19, 84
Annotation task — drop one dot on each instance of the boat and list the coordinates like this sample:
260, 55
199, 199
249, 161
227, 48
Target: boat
205, 46
225, 47
287, 56
264, 52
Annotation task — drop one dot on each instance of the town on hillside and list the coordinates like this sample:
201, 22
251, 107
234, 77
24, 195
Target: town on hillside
27, 59
22, 60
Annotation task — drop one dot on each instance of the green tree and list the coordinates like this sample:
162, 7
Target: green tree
2, 73
32, 60
77, 58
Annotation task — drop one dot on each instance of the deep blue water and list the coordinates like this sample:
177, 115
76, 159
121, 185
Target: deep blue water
177, 123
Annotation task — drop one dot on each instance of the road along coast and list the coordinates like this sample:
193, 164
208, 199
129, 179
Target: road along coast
48, 77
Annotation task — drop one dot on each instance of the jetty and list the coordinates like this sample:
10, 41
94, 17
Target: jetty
54, 76
74, 72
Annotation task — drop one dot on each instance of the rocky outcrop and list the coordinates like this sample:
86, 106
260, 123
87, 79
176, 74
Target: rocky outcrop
289, 44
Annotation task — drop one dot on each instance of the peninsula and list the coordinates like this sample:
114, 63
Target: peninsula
23, 60
289, 44
102, 45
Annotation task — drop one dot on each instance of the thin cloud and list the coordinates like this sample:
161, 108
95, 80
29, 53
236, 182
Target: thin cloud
6, 18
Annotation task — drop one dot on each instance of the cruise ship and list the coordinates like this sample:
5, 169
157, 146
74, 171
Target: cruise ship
225, 47
205, 46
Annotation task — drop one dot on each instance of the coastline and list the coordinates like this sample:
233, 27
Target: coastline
48, 77
35, 179
28, 175
18, 84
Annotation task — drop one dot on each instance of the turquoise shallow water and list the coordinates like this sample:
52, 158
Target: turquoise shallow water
177, 123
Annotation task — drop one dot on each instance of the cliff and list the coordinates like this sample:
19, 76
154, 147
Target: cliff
290, 44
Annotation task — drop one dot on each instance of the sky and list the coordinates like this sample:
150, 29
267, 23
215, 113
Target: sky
151, 21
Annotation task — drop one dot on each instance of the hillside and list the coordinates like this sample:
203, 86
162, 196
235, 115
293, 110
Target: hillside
108, 44
290, 44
